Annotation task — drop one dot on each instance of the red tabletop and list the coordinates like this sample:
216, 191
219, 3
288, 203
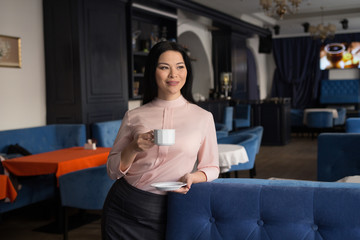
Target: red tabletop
59, 162
7, 190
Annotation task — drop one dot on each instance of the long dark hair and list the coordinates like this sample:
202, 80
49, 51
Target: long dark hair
150, 86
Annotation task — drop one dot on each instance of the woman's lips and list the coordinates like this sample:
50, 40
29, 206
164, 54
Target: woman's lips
172, 83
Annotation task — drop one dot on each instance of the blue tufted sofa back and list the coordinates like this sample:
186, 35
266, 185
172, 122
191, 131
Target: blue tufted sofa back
338, 156
340, 91
260, 211
45, 138
105, 132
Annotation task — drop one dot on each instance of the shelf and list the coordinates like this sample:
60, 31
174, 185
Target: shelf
146, 25
141, 53
139, 97
138, 75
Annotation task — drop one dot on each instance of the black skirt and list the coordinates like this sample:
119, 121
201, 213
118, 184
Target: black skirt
131, 213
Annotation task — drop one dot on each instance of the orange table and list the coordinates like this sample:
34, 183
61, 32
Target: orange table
7, 190
59, 162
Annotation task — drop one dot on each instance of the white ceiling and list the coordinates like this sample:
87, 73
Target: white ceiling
310, 11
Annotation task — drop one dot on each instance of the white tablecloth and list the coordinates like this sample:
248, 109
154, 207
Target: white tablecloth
333, 110
231, 154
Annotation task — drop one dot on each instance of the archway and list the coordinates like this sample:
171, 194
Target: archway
201, 66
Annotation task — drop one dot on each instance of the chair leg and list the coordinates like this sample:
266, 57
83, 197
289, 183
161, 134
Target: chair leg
253, 171
65, 223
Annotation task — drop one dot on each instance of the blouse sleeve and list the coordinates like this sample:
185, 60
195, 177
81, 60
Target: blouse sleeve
208, 155
123, 138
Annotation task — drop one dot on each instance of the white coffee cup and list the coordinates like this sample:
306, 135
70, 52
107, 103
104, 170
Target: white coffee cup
164, 137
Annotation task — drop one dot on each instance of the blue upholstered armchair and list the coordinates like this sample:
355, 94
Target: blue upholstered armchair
221, 130
84, 189
340, 120
297, 120
257, 130
319, 121
105, 132
250, 143
228, 117
242, 116
352, 125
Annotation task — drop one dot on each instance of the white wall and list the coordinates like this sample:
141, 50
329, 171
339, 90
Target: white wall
265, 67
344, 74
22, 90
194, 33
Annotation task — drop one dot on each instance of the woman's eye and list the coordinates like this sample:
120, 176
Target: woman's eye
181, 67
163, 67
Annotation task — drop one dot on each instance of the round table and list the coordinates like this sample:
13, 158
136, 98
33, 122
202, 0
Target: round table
231, 154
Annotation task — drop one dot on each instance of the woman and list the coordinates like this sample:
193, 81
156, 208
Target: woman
134, 209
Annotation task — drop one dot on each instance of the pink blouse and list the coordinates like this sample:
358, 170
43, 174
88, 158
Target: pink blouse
195, 139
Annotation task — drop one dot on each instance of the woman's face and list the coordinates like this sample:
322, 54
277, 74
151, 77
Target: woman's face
170, 75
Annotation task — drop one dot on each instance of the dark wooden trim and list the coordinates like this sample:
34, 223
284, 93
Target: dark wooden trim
236, 24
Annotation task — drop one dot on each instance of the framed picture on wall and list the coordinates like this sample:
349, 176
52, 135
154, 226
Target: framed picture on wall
10, 51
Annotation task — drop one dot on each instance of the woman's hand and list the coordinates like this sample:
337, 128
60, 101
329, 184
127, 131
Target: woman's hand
189, 179
142, 142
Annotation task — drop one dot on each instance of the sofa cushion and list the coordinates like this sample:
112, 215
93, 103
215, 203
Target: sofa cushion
256, 211
45, 138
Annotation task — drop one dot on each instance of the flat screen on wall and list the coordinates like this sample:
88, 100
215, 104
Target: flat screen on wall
340, 55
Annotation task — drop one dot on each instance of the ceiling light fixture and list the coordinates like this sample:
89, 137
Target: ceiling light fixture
322, 31
280, 7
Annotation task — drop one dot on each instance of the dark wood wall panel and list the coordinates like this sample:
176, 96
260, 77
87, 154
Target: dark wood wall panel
239, 67
105, 51
86, 60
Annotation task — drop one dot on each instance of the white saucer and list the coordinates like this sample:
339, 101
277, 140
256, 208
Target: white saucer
168, 186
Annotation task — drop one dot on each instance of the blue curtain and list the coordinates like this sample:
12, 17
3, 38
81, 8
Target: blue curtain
297, 74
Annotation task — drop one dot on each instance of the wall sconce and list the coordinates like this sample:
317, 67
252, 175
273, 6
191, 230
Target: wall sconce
344, 23
306, 26
277, 29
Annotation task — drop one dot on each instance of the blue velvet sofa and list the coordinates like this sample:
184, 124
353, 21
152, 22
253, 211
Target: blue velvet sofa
340, 92
105, 132
259, 209
338, 156
37, 140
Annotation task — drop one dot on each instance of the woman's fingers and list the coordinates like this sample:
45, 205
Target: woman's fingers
145, 140
183, 190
